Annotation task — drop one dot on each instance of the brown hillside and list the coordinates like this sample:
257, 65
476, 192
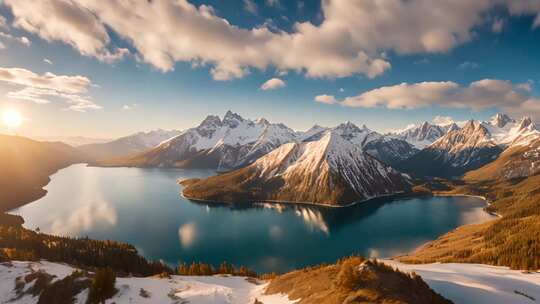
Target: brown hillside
25, 166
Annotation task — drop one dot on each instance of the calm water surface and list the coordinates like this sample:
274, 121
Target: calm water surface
144, 207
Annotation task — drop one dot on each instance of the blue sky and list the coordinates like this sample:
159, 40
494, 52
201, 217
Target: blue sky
183, 95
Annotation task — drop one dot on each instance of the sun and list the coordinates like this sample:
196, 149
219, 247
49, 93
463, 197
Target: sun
12, 119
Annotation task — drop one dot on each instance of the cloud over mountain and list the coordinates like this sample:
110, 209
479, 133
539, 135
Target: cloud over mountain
478, 95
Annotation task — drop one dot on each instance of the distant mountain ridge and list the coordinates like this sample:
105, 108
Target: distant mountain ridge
424, 134
329, 171
234, 142
471, 147
127, 145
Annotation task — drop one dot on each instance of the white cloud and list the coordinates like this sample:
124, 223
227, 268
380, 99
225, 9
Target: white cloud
327, 99
250, 6
341, 90
47, 61
468, 65
66, 21
128, 107
272, 84
478, 95
43, 88
22, 40
442, 120
349, 40
525, 7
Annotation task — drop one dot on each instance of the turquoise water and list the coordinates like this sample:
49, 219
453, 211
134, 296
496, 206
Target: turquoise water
144, 207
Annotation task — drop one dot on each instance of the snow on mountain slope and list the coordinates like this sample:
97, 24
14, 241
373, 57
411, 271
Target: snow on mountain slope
218, 144
454, 153
471, 147
173, 289
385, 148
506, 131
424, 134
476, 283
330, 171
131, 144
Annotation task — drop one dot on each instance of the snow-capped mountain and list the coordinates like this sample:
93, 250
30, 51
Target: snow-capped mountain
131, 144
330, 170
234, 142
472, 146
506, 131
455, 153
386, 148
424, 134
217, 143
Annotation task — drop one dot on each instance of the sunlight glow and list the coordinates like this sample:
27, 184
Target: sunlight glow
12, 119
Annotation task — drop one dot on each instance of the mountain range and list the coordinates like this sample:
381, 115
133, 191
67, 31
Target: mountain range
340, 165
470, 147
330, 170
234, 142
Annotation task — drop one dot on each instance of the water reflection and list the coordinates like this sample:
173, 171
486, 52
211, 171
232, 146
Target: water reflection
312, 217
187, 234
143, 207
87, 217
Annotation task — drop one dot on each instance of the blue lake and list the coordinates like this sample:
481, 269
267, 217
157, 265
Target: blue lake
144, 207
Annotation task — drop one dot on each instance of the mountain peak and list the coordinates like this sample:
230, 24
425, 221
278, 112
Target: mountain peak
500, 120
525, 122
262, 121
210, 121
348, 126
232, 119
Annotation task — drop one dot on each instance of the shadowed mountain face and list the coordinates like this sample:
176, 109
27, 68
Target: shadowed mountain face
518, 161
25, 166
329, 171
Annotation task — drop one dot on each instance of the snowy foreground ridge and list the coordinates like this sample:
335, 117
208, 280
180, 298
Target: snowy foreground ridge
461, 283
176, 289
477, 283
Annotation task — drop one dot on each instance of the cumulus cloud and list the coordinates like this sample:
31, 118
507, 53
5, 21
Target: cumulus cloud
525, 7
349, 40
272, 84
47, 61
327, 99
66, 21
478, 95
42, 88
